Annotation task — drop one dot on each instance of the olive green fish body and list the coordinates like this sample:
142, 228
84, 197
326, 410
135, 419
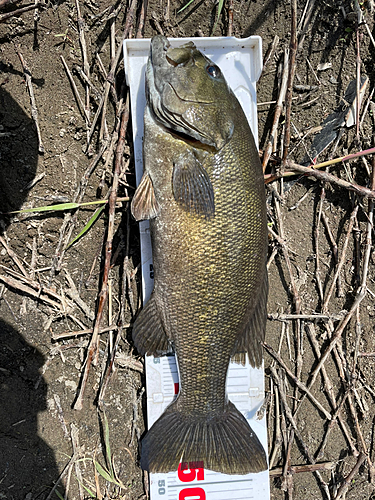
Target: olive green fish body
203, 191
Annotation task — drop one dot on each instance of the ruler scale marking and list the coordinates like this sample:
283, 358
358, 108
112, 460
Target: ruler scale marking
241, 62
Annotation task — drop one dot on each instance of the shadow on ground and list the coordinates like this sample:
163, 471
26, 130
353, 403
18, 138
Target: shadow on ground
27, 464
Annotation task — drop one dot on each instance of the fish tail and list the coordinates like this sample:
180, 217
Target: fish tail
222, 442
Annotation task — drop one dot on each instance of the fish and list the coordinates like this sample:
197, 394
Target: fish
203, 192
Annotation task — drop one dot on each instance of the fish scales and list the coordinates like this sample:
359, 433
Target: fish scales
206, 203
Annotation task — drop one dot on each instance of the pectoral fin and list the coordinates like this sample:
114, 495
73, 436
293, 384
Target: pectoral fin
250, 339
192, 187
144, 204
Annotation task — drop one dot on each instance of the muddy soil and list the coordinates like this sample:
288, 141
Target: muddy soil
41, 436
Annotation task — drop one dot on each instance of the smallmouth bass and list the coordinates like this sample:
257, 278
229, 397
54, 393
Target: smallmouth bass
203, 191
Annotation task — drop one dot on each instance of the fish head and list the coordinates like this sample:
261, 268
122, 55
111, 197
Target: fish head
188, 94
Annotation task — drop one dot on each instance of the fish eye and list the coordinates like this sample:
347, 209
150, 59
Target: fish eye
213, 71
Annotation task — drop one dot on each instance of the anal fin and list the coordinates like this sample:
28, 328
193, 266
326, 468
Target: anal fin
149, 334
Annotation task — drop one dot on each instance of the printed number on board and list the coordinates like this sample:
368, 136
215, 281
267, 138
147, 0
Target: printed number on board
192, 494
188, 472
161, 487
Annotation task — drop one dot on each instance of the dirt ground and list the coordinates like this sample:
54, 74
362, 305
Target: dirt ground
41, 435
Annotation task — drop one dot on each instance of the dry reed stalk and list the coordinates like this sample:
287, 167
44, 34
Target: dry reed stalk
279, 106
93, 349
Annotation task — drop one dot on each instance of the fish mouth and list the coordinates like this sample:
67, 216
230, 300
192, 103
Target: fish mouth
160, 89
169, 74
162, 59
184, 99
193, 101
159, 43
158, 54
180, 127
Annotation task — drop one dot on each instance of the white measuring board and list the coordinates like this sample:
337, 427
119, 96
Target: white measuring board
241, 62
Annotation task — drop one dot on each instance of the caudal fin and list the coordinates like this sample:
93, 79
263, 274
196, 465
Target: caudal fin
223, 442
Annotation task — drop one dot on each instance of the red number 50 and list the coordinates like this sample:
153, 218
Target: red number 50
192, 494
189, 472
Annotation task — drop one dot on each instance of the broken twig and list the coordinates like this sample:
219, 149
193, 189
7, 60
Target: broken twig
34, 109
